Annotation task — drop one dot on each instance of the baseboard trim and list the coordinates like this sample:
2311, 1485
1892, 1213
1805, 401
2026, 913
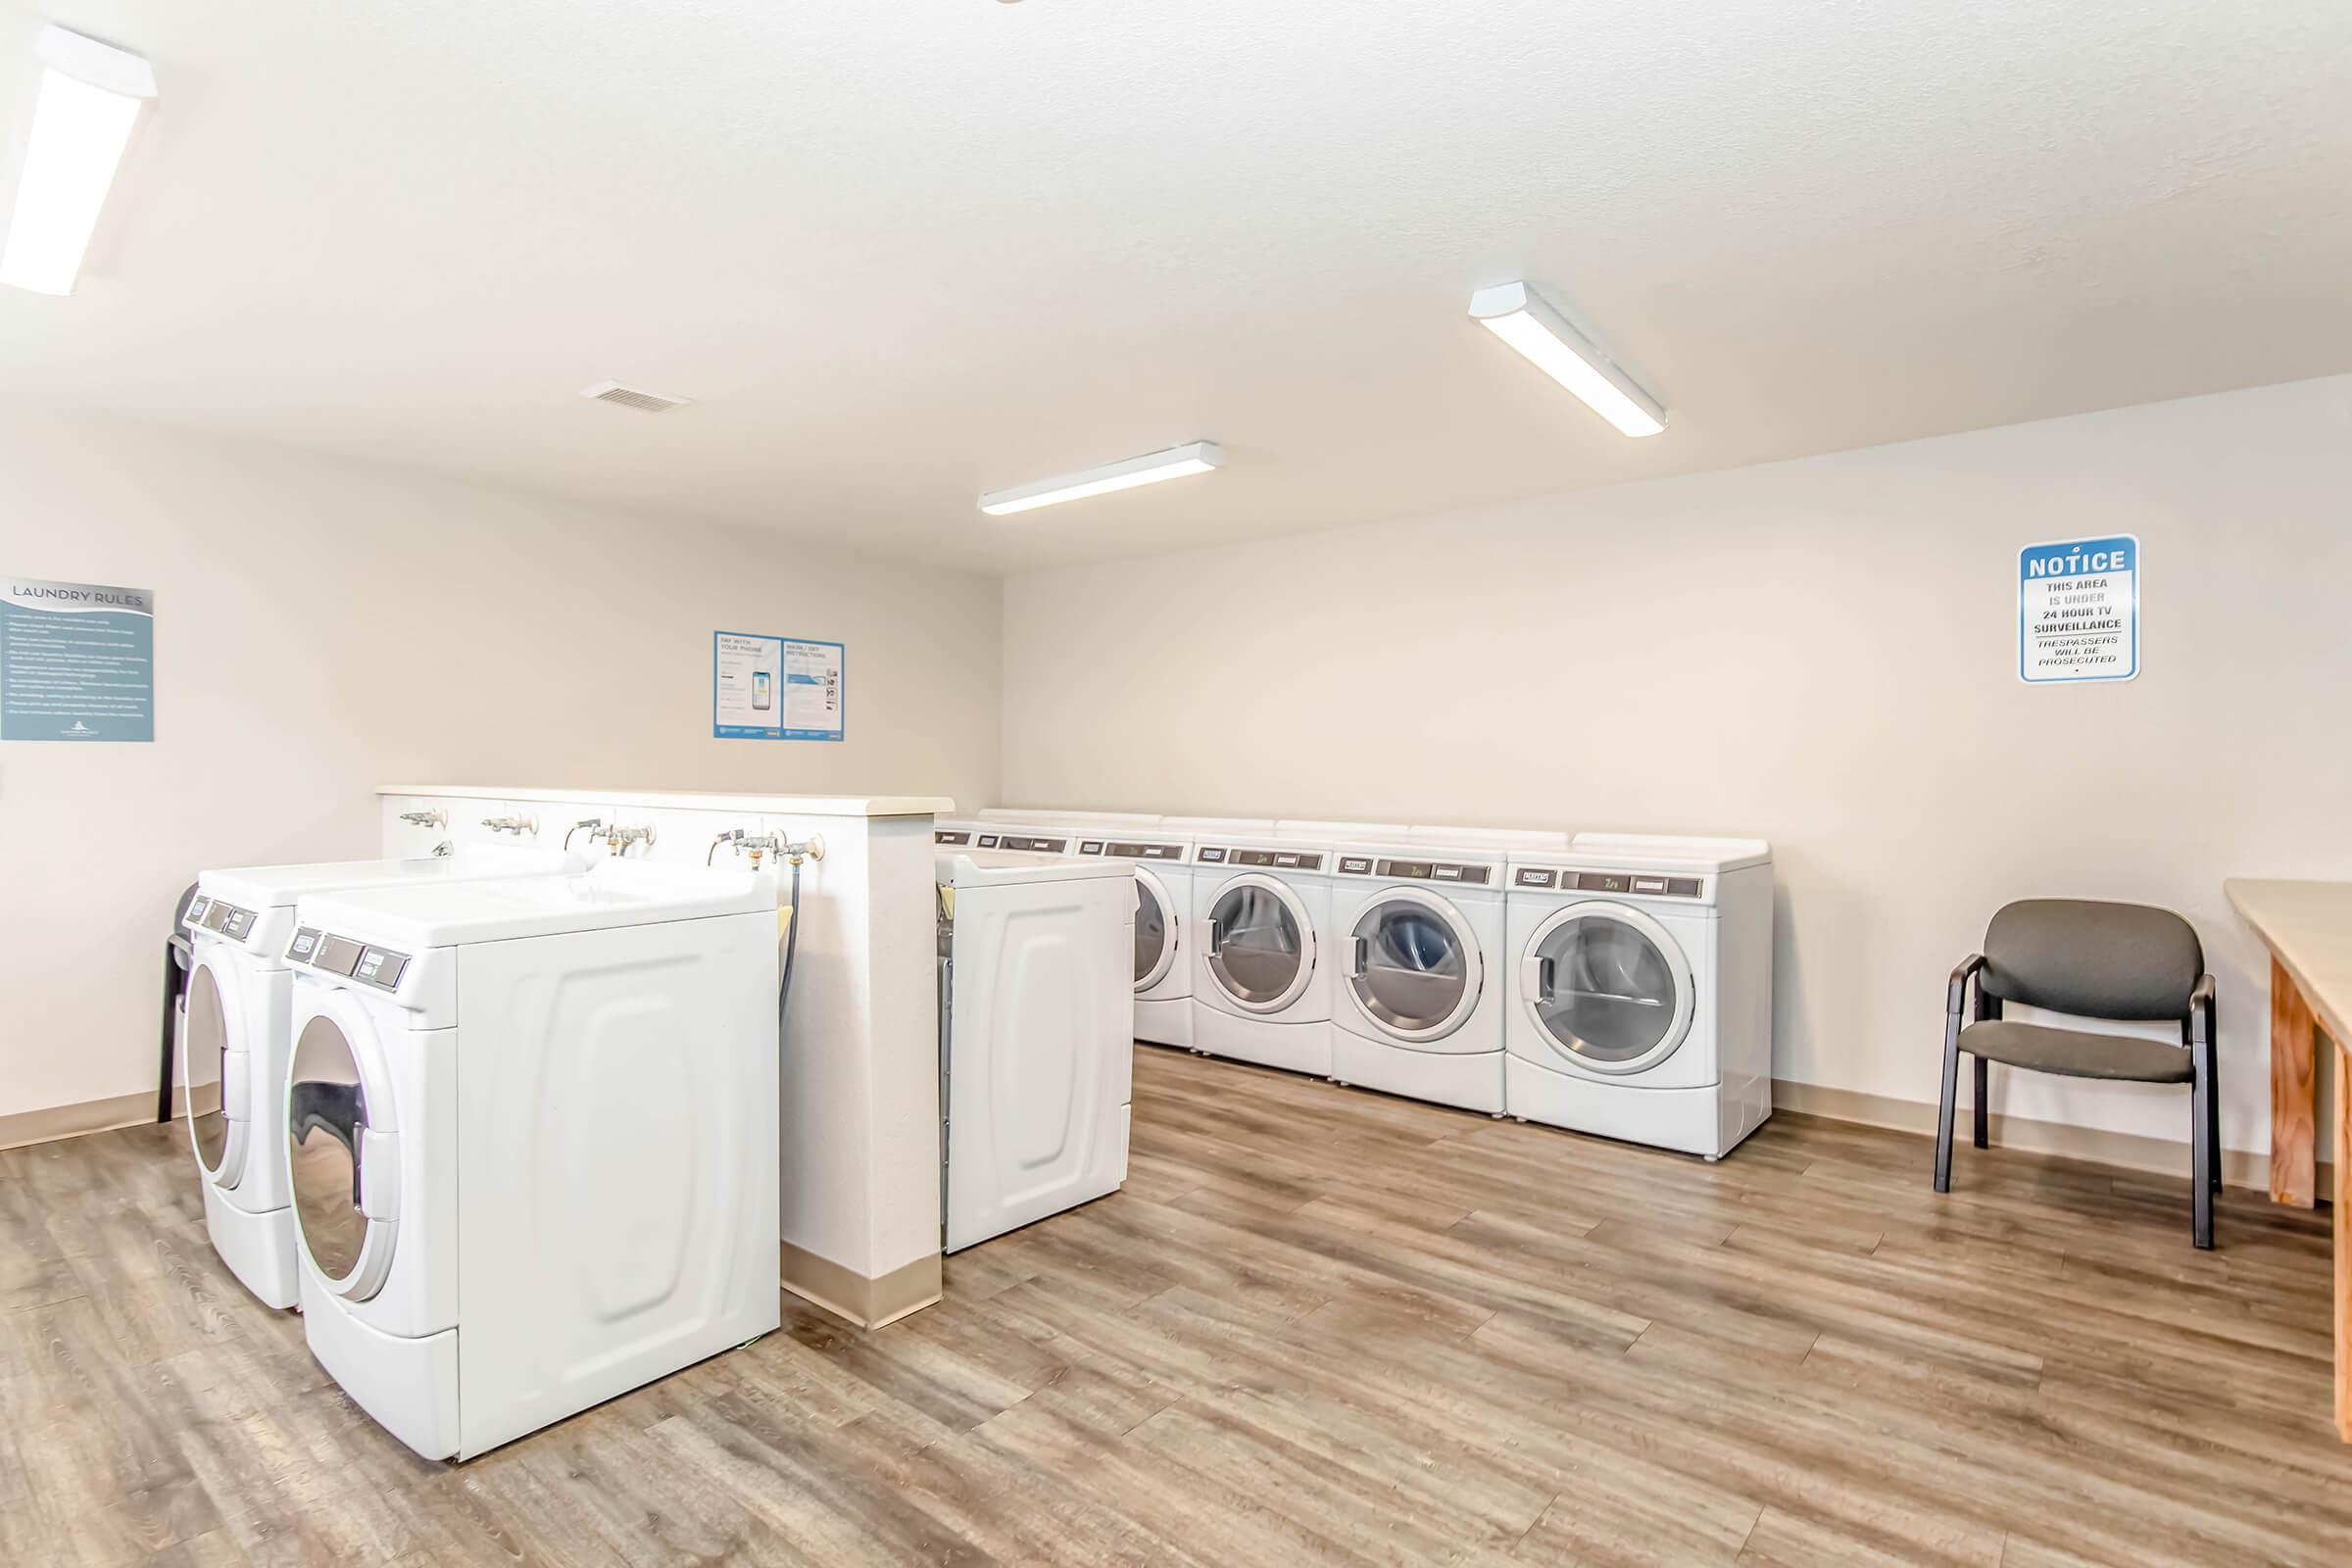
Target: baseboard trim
2130, 1150
871, 1304
22, 1128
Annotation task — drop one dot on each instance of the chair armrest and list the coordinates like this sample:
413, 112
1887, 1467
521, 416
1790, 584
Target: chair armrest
1953, 997
2200, 1012
2202, 996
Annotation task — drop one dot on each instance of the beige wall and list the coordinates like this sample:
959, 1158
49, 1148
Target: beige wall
1820, 652
326, 627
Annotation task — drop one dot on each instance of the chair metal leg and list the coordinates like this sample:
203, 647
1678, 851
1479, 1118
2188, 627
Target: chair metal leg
1943, 1114
2213, 1097
162, 1093
1983, 1110
2205, 1150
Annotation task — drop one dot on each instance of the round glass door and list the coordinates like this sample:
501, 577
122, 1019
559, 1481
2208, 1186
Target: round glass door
1258, 943
206, 1043
326, 1117
1154, 931
1413, 967
1609, 986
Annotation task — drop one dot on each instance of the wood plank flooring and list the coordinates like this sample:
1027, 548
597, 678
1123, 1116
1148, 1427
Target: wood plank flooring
1318, 1326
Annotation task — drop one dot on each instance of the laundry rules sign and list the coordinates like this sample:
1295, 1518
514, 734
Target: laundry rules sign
77, 662
2078, 610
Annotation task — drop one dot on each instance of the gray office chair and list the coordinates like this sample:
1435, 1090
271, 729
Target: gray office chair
2092, 961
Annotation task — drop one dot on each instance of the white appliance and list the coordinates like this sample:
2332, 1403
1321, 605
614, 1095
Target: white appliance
1037, 1037
991, 837
1418, 991
1080, 820
1162, 916
1261, 906
532, 1136
1642, 1005
235, 1035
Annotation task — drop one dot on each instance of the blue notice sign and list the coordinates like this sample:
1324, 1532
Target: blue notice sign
2078, 610
77, 662
765, 688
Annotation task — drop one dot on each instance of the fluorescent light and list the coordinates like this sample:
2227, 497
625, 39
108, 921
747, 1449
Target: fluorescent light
90, 96
1526, 320
1197, 456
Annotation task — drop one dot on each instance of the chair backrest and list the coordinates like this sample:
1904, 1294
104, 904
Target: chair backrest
178, 939
2093, 959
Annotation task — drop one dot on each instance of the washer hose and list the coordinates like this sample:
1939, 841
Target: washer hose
792, 941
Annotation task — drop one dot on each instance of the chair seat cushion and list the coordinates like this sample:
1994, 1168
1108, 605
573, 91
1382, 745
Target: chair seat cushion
2077, 1053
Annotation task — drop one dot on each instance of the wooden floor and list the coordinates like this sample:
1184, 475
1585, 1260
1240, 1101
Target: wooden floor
1318, 1326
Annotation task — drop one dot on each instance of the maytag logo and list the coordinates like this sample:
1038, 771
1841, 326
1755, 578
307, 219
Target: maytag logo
77, 727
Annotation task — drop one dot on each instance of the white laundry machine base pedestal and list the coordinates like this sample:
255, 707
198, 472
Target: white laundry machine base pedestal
1293, 1046
1165, 1022
258, 1248
1471, 1080
1708, 1119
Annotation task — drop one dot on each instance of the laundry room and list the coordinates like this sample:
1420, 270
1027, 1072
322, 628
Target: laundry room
1223, 783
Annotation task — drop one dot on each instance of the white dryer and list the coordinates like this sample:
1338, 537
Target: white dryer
1083, 821
1262, 990
1163, 920
238, 995
1418, 998
531, 1126
1644, 990
1037, 1037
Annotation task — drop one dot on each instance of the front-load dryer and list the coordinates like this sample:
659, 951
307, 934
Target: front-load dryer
1163, 930
532, 1131
1261, 992
1418, 1001
1037, 1037
1643, 990
238, 995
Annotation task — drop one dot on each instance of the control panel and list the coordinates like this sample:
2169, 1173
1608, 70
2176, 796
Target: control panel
1031, 845
1267, 859
380, 968
1463, 873
1119, 850
1640, 884
215, 915
953, 836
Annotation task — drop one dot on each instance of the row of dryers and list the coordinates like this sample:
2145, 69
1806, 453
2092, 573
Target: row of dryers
1609, 983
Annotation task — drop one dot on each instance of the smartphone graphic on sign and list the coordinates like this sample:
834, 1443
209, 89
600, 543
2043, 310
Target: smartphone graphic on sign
760, 697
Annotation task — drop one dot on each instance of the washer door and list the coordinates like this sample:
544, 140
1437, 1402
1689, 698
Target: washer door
1607, 987
1260, 945
213, 1047
346, 1169
1413, 965
1155, 928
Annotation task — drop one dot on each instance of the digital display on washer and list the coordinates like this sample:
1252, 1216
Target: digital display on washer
1147, 852
1034, 846
946, 836
1276, 860
1656, 887
338, 955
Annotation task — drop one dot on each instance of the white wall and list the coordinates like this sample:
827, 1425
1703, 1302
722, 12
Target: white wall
1820, 652
324, 627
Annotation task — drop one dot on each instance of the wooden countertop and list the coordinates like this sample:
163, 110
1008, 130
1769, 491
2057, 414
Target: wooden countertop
696, 801
2308, 928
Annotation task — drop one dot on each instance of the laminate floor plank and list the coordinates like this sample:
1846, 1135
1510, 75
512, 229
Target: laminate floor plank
1318, 1326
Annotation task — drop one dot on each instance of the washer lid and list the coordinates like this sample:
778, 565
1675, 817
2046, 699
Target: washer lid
616, 893
269, 887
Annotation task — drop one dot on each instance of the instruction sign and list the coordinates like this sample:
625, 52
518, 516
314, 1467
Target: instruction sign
775, 688
77, 662
2078, 610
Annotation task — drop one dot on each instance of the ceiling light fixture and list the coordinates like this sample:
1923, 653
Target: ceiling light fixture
90, 97
1528, 322
1196, 456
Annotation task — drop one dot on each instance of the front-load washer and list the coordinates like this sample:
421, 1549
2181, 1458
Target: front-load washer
1261, 993
1418, 1001
1037, 1037
1162, 925
532, 1131
238, 993
1643, 990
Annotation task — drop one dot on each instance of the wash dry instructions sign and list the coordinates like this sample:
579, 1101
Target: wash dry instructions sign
766, 688
77, 662
2078, 610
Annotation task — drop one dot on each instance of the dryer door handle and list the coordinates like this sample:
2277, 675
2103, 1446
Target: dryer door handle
1217, 937
1536, 976
1359, 950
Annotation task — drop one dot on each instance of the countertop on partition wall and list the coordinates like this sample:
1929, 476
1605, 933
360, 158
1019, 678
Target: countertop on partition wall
696, 801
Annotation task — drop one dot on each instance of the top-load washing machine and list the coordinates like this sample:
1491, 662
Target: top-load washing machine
532, 1129
1418, 1001
236, 1036
1036, 1035
1261, 905
1644, 990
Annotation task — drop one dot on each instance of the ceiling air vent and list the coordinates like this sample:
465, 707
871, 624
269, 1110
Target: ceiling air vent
632, 397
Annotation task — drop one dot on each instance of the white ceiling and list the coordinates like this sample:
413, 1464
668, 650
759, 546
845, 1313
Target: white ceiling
904, 251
